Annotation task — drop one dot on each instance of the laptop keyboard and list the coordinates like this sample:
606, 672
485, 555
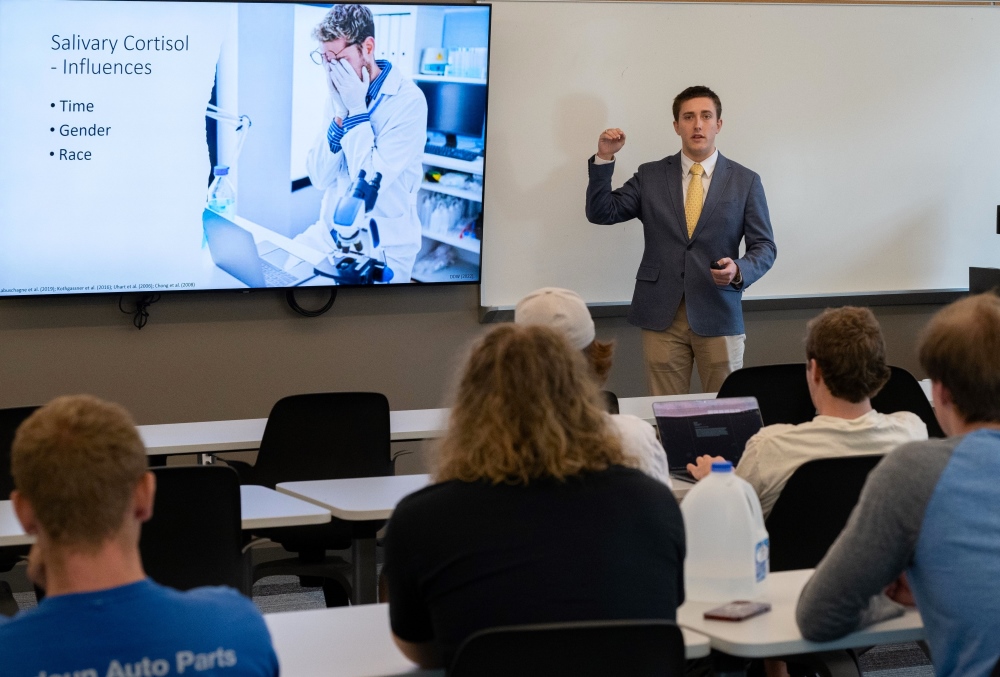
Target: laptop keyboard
449, 151
276, 277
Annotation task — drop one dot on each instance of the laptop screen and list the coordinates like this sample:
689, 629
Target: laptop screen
713, 427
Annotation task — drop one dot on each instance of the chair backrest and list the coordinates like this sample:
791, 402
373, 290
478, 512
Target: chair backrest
996, 669
323, 436
641, 648
10, 419
902, 392
195, 535
610, 402
813, 508
781, 391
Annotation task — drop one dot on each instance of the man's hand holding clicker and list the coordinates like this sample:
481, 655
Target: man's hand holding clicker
725, 273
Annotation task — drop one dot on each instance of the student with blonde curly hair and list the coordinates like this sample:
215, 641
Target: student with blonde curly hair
534, 516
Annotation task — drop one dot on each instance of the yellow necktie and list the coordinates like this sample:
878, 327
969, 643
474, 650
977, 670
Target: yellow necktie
695, 196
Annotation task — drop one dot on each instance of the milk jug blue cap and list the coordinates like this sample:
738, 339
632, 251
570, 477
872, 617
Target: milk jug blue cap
722, 466
220, 170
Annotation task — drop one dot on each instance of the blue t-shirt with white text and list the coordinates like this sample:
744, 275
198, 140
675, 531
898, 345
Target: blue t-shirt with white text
141, 629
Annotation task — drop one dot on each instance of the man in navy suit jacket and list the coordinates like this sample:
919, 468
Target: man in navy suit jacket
689, 286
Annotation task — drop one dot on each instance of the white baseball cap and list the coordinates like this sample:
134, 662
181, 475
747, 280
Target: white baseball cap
560, 309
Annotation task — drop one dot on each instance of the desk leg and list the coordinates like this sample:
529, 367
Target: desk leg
365, 586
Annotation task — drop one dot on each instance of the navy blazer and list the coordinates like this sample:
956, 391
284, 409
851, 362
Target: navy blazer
673, 266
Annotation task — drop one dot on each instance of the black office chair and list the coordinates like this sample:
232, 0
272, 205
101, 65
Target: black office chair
610, 402
195, 536
10, 419
639, 648
781, 391
315, 437
996, 669
902, 392
813, 508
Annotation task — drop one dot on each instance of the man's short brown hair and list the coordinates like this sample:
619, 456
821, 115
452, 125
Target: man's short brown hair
960, 349
697, 92
77, 460
848, 347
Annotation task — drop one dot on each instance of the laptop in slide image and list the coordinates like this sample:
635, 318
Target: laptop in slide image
713, 427
265, 265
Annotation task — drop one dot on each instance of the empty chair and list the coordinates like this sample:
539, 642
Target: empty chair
321, 436
195, 535
813, 508
781, 391
641, 648
903, 392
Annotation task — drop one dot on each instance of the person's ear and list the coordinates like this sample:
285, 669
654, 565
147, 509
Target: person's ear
143, 497
814, 374
677, 130
368, 47
25, 512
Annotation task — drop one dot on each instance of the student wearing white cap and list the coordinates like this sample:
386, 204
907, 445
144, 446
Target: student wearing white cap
565, 310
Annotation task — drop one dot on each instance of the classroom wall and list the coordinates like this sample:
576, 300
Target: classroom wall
215, 356
211, 356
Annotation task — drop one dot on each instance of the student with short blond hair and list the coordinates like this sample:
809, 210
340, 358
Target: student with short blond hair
533, 516
82, 488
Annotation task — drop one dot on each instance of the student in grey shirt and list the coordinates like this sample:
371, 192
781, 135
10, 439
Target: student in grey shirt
928, 517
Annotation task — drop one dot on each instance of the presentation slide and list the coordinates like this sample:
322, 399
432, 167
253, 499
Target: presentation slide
161, 146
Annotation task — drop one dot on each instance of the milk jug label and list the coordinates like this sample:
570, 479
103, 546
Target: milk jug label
762, 554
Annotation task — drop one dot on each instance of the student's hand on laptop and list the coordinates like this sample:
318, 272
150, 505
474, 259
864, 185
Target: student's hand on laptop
899, 591
703, 466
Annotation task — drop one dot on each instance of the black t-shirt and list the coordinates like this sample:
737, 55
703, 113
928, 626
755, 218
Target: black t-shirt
462, 557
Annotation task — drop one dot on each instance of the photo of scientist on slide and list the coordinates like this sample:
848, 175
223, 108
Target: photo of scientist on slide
234, 145
364, 204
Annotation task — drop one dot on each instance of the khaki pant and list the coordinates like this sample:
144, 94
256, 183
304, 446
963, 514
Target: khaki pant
670, 354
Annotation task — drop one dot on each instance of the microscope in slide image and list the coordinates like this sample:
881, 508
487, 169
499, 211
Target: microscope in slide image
355, 259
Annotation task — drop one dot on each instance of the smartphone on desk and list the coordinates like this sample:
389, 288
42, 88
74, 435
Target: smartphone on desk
737, 611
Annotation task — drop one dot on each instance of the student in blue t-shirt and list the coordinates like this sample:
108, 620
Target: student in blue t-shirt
83, 489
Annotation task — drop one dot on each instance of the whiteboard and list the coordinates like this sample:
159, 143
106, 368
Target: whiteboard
875, 130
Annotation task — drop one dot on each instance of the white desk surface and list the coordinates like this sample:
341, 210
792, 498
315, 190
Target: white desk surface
357, 499
11, 532
775, 633
264, 508
211, 437
357, 642
261, 508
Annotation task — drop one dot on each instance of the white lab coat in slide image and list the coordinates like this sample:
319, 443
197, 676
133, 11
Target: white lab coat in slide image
392, 143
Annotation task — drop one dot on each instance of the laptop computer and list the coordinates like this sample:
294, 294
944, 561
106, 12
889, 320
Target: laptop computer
256, 265
716, 427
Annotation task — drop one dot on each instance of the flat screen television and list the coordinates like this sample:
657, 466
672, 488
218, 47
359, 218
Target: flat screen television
171, 146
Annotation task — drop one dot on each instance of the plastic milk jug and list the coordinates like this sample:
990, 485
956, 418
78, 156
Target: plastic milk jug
727, 545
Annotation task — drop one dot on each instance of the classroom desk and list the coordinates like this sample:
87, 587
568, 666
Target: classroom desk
212, 437
775, 633
359, 500
357, 642
261, 508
